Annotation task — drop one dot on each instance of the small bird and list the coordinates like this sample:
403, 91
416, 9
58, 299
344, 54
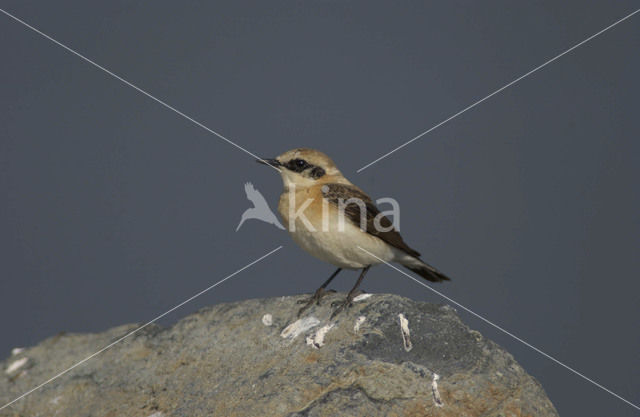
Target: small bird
315, 196
260, 209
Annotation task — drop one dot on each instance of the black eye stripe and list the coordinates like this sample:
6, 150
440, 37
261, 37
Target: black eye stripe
297, 165
300, 165
317, 172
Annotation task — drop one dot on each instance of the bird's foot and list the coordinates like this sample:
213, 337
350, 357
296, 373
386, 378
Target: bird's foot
341, 305
345, 304
315, 298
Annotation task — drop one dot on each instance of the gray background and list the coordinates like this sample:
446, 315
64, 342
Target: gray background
114, 209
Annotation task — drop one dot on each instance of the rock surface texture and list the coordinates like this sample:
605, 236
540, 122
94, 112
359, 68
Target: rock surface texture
386, 356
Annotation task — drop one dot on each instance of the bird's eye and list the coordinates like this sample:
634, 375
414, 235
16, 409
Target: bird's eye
297, 165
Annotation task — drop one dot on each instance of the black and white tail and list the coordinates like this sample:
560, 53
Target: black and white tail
425, 270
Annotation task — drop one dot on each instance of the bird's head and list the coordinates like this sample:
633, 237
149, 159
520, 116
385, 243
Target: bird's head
304, 167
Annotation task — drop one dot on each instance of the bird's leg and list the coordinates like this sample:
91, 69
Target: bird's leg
320, 292
348, 302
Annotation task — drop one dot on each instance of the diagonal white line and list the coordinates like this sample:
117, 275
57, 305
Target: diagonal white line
468, 310
498, 91
141, 327
116, 76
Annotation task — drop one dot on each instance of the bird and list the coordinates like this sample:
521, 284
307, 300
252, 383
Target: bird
337, 222
260, 209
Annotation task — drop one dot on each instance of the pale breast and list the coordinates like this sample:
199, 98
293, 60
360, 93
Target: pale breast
318, 231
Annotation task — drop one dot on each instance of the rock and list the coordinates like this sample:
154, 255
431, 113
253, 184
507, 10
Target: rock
386, 356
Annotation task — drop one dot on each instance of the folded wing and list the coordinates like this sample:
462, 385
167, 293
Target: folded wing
335, 193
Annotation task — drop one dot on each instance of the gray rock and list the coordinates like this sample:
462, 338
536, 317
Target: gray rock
255, 358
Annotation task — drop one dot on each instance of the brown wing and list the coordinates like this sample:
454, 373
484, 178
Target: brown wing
337, 193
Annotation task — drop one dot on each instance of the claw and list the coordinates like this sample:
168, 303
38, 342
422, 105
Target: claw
340, 305
316, 297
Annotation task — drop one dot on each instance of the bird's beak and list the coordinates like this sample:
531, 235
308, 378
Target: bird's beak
269, 161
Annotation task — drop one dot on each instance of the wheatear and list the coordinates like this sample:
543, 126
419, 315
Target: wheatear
334, 220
